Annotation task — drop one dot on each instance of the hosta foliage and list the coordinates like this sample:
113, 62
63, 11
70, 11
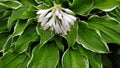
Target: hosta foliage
24, 43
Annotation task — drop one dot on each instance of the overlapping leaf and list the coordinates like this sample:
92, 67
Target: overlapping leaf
20, 26
72, 35
81, 6
72, 59
106, 5
45, 57
10, 4
115, 13
90, 39
11, 60
94, 58
24, 12
45, 35
29, 35
3, 25
3, 38
108, 28
28, 2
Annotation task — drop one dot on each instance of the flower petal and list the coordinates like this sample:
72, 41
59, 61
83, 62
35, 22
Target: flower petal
49, 15
67, 10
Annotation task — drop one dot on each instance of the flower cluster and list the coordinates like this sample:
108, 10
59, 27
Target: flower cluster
56, 18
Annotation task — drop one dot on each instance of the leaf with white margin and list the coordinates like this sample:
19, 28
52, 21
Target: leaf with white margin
90, 39
46, 56
72, 59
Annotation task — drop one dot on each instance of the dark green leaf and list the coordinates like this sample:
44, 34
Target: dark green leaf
3, 38
8, 43
59, 44
107, 63
3, 25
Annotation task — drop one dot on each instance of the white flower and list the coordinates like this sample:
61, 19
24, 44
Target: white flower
56, 18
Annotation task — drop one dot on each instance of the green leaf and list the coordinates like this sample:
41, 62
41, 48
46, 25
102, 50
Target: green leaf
64, 3
11, 60
94, 58
59, 43
28, 2
28, 36
72, 35
45, 57
3, 7
44, 34
60, 1
115, 13
9, 43
49, 2
107, 63
106, 5
59, 65
81, 6
20, 27
43, 6
4, 14
108, 28
11, 4
3, 38
90, 39
72, 59
21, 13
3, 25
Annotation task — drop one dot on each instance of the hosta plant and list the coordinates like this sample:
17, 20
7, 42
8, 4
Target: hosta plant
57, 33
